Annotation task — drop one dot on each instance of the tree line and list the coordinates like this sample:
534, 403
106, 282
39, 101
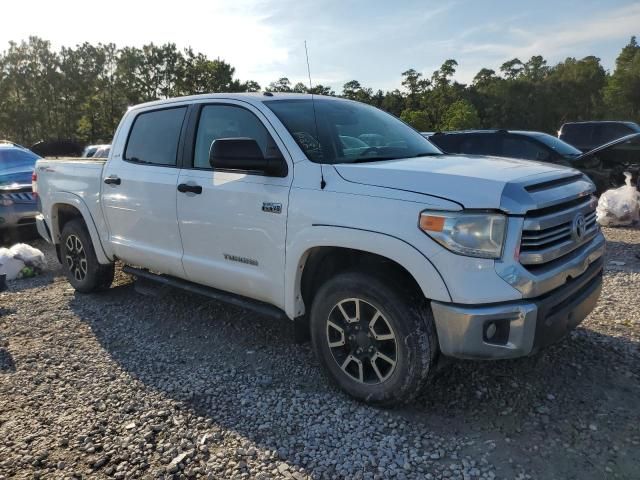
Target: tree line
81, 93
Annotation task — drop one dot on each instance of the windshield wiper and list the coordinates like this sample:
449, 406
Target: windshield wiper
372, 159
427, 154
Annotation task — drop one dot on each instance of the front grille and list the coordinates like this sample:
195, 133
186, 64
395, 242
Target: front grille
551, 233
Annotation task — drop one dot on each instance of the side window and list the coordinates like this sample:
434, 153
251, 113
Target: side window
227, 121
154, 137
479, 144
611, 131
447, 143
520, 147
577, 134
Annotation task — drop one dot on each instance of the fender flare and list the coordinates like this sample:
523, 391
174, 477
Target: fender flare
73, 200
400, 251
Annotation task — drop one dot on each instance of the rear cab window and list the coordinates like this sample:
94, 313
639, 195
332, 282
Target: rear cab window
154, 137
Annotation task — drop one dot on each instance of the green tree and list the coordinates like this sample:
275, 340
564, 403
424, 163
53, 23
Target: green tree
418, 119
281, 85
622, 92
460, 115
354, 91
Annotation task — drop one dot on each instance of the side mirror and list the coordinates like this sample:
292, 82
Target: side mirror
245, 154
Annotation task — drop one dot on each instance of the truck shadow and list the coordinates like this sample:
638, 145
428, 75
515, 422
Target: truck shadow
245, 373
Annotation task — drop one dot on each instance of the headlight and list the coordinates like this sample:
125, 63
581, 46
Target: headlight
472, 234
5, 201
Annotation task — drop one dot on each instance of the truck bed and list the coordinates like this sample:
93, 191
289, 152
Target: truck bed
80, 179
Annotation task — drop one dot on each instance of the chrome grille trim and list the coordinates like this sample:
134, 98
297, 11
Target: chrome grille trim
549, 236
541, 251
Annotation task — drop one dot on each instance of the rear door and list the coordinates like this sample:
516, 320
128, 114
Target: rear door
233, 228
139, 192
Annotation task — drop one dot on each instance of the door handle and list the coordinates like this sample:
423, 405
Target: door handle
112, 180
186, 188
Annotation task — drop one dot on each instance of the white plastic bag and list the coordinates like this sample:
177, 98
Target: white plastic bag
619, 206
13, 260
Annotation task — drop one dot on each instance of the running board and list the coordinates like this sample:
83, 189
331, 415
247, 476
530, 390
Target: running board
220, 295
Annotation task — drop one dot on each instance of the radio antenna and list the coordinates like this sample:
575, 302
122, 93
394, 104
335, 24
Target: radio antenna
315, 117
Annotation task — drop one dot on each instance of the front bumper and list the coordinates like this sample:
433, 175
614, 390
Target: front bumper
43, 228
516, 329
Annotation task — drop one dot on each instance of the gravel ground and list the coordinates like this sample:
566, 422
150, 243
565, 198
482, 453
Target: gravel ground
127, 386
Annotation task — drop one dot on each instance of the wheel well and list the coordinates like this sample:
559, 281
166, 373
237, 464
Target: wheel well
62, 215
322, 263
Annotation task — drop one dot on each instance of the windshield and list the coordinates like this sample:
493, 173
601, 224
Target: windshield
563, 148
348, 132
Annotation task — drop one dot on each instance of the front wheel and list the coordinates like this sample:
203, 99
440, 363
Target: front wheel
374, 340
79, 260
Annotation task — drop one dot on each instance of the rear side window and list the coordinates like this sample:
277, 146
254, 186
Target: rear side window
607, 132
447, 143
154, 137
522, 147
577, 134
480, 144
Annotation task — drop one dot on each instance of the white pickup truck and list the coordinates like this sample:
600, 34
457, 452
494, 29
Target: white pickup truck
340, 217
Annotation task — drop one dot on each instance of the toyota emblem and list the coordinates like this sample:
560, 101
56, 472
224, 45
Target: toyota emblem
579, 227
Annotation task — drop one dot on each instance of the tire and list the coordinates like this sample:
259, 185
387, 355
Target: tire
349, 357
79, 260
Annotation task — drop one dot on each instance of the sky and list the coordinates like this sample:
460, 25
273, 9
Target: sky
371, 41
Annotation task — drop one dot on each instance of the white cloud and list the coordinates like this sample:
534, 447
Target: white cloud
369, 40
564, 38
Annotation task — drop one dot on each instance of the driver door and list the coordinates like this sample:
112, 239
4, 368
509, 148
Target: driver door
234, 230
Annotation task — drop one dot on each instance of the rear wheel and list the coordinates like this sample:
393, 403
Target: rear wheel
374, 340
79, 259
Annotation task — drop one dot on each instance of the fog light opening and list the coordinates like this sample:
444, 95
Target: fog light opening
496, 332
491, 330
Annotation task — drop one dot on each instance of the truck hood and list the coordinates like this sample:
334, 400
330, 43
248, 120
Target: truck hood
471, 180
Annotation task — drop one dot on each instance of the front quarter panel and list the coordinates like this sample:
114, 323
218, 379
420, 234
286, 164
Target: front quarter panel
338, 217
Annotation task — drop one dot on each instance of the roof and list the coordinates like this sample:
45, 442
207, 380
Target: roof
496, 130
5, 144
250, 97
600, 122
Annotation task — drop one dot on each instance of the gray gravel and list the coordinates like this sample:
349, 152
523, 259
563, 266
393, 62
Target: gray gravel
128, 386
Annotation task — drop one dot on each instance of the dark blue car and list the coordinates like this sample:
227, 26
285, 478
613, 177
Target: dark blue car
18, 205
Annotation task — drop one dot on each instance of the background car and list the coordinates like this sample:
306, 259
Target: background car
56, 148
102, 152
588, 135
18, 206
90, 150
505, 143
606, 164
